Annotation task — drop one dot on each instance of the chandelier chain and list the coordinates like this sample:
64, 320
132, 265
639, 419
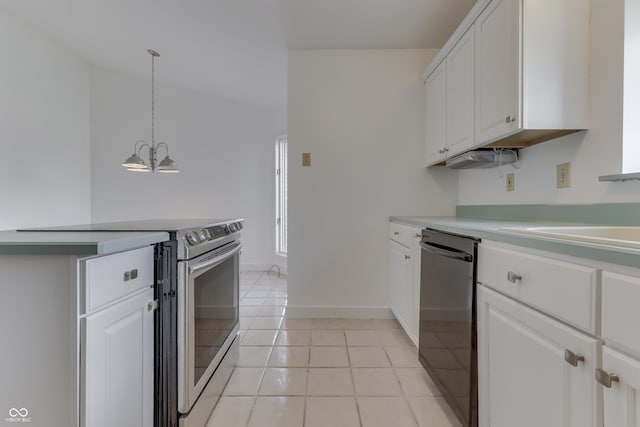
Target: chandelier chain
153, 99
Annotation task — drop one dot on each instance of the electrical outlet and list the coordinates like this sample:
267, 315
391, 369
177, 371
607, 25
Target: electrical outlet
306, 159
511, 178
563, 175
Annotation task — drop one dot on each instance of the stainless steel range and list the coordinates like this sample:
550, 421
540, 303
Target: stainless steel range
197, 324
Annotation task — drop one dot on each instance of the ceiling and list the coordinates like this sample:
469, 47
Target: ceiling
233, 48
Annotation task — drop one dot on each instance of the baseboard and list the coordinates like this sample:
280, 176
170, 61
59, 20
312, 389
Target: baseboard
306, 312
264, 267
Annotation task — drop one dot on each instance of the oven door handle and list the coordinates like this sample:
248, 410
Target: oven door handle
449, 253
216, 259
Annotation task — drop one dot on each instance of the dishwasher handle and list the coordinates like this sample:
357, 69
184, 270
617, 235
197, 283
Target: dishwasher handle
447, 252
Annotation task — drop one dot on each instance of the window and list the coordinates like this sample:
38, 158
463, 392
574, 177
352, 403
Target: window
281, 196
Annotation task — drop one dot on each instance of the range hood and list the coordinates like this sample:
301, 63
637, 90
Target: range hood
482, 159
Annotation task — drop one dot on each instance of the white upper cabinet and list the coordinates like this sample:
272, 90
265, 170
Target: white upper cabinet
516, 73
460, 93
435, 90
497, 109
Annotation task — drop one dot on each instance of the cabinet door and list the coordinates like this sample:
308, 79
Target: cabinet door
401, 285
524, 379
460, 95
435, 90
497, 71
622, 400
117, 361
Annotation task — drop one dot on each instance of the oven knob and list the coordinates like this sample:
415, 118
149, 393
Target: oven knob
226, 229
238, 226
193, 238
203, 234
232, 227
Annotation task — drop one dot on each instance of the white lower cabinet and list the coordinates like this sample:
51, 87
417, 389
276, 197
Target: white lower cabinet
404, 277
117, 342
620, 373
401, 294
538, 338
533, 370
118, 364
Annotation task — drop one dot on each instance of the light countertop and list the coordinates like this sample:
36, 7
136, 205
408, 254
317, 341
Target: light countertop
490, 230
75, 243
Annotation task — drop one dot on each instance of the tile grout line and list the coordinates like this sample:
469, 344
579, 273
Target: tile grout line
353, 382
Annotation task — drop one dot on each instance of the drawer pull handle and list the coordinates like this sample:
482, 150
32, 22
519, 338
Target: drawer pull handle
131, 274
513, 277
605, 378
573, 358
396, 233
407, 257
418, 236
152, 305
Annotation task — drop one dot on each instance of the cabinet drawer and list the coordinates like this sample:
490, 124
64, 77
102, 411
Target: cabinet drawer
113, 276
564, 290
403, 234
620, 315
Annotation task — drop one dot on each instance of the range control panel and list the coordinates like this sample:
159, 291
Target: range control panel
210, 233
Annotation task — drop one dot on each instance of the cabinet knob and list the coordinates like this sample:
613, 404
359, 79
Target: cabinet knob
513, 277
407, 257
605, 378
510, 119
573, 358
153, 305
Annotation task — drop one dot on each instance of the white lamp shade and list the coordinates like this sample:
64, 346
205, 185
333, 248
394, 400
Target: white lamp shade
134, 162
168, 165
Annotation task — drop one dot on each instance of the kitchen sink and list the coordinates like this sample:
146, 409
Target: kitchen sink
625, 236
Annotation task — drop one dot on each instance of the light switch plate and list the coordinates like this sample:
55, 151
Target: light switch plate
511, 178
563, 175
306, 159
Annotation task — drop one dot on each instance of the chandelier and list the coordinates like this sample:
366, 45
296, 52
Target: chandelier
135, 163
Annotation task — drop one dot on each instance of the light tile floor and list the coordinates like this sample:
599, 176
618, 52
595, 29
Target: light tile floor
323, 372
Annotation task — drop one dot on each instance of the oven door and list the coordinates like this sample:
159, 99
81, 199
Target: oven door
208, 313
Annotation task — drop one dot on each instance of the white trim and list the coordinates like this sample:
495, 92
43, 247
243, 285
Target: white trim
324, 312
281, 183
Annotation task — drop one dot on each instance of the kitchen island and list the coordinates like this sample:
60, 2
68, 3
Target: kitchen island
60, 292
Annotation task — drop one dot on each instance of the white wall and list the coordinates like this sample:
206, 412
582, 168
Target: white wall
592, 154
225, 151
44, 131
360, 115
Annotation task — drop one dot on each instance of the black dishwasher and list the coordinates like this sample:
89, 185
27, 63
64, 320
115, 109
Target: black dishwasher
447, 340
